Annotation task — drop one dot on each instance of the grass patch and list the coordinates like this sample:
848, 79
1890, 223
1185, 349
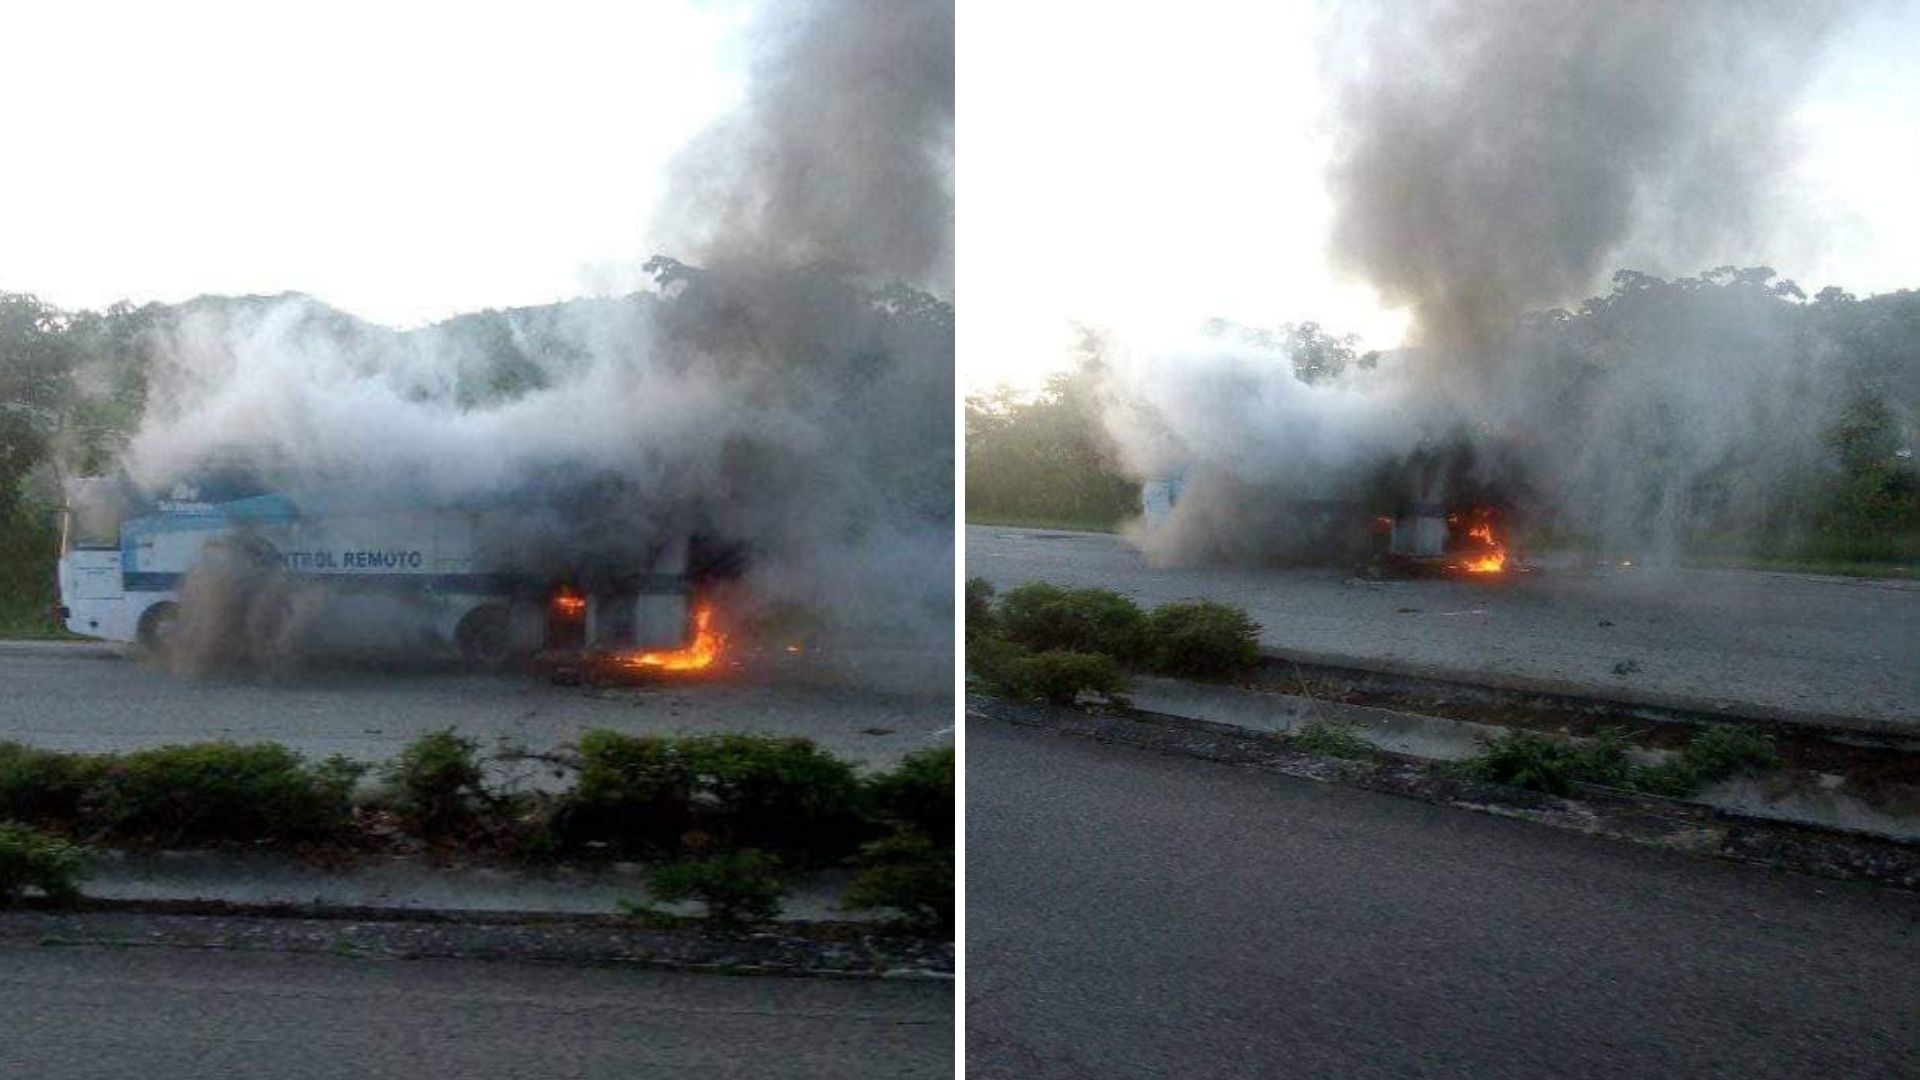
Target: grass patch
1862, 568
1528, 759
1042, 521
1331, 740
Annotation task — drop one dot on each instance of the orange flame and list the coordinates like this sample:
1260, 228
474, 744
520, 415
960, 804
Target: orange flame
1493, 560
702, 653
569, 604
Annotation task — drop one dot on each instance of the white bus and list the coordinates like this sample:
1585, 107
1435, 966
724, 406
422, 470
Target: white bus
125, 560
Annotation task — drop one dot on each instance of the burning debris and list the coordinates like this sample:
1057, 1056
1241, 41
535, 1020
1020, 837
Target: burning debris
697, 656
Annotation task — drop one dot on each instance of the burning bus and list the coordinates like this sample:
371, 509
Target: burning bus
1448, 508
222, 558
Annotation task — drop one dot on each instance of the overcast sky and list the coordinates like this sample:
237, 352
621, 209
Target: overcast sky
1145, 167
401, 161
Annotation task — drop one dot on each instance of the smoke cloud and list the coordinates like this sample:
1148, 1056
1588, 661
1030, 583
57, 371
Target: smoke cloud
1499, 157
842, 157
788, 396
1495, 160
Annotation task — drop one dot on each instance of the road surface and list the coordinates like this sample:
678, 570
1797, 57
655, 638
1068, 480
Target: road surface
1846, 647
73, 1012
1137, 915
86, 696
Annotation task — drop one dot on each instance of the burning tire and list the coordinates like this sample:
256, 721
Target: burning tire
485, 636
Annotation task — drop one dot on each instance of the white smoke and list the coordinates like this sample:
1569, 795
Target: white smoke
1493, 160
779, 399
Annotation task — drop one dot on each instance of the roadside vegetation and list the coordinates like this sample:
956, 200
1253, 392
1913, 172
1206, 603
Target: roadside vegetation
31, 859
1331, 740
1528, 759
726, 820
1043, 642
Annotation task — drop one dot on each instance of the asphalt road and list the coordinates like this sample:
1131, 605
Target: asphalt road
1841, 646
85, 696
1137, 915
73, 1012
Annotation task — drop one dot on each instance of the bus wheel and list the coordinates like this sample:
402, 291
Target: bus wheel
485, 637
159, 626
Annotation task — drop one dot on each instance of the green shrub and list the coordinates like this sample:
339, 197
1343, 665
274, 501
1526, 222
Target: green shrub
909, 873
918, 794
1604, 760
45, 786
656, 794
221, 792
1719, 752
1047, 618
1202, 639
979, 607
1332, 740
988, 655
738, 888
1059, 676
1530, 760
33, 859
438, 783
1524, 759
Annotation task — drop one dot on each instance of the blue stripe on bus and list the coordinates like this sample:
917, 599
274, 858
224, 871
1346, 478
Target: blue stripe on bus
486, 584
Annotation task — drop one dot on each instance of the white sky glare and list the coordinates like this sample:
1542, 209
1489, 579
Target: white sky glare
1132, 166
401, 161
1142, 168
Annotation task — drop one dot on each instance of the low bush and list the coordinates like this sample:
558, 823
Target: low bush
1048, 618
1721, 752
1525, 759
1604, 760
738, 888
1058, 676
918, 794
1530, 760
46, 786
33, 859
1203, 640
908, 873
979, 607
221, 792
656, 794
438, 783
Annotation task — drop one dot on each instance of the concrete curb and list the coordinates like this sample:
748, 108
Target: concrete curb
1665, 823
814, 950
1626, 699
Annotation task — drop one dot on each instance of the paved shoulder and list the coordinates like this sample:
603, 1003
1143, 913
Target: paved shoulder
1131, 914
163, 1013
1789, 642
